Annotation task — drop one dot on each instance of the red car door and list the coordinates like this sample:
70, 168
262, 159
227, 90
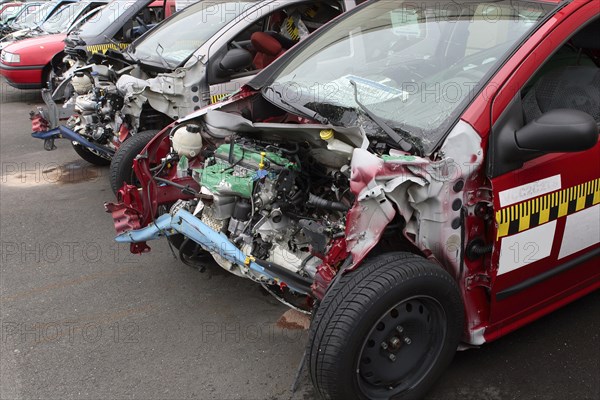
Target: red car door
547, 211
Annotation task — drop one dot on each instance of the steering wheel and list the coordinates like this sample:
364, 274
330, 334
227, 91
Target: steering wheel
236, 45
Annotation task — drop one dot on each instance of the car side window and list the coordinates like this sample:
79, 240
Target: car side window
540, 118
570, 79
269, 38
142, 22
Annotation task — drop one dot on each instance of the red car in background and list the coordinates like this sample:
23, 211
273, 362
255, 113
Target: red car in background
27, 64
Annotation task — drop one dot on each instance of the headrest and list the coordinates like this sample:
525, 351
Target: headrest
588, 37
264, 43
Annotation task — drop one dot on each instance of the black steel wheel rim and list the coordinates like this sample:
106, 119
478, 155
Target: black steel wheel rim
401, 347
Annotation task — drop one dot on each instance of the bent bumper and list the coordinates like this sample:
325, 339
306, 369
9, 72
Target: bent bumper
215, 242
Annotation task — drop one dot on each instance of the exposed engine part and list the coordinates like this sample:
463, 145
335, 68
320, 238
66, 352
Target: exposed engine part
239, 218
326, 204
82, 83
275, 203
336, 145
187, 141
98, 116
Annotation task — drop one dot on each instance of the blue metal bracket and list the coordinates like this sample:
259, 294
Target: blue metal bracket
62, 132
187, 224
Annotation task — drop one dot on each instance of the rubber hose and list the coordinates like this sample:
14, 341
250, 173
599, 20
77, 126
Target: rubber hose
319, 202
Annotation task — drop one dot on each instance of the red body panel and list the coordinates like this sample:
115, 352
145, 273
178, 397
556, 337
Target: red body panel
28, 78
517, 310
38, 50
35, 54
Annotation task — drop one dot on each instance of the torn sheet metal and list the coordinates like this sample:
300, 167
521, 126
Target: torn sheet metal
428, 194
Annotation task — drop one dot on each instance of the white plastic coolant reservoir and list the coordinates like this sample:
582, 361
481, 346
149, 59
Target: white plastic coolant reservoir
187, 141
82, 84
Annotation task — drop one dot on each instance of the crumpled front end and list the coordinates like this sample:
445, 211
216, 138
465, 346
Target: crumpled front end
175, 94
429, 195
90, 114
290, 196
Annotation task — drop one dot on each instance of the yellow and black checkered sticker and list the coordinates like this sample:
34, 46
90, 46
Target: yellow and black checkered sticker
103, 48
217, 98
292, 29
538, 211
312, 12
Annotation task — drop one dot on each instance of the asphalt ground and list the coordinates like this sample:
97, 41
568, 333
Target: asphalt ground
81, 318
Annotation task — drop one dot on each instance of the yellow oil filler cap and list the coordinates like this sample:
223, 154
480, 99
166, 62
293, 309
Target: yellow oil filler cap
327, 134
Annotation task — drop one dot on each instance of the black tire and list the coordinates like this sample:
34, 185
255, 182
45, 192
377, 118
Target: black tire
393, 296
47, 77
121, 167
90, 157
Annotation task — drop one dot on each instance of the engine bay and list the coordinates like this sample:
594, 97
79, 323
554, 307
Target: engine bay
273, 200
290, 203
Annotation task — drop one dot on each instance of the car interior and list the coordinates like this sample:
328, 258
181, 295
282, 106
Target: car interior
271, 37
146, 19
570, 79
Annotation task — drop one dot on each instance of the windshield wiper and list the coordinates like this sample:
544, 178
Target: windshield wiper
162, 59
303, 110
404, 145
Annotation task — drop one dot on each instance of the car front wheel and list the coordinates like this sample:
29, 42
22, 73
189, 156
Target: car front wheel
386, 330
89, 156
121, 166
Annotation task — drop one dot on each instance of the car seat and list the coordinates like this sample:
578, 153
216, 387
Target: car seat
267, 49
574, 87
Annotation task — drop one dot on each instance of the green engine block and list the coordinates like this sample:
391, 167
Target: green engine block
237, 178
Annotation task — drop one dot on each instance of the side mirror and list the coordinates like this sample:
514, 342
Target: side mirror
556, 131
234, 61
560, 130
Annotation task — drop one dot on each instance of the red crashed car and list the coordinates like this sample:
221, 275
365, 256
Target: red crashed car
416, 175
26, 64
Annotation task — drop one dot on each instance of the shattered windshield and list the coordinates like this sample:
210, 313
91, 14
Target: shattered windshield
175, 40
411, 66
63, 18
